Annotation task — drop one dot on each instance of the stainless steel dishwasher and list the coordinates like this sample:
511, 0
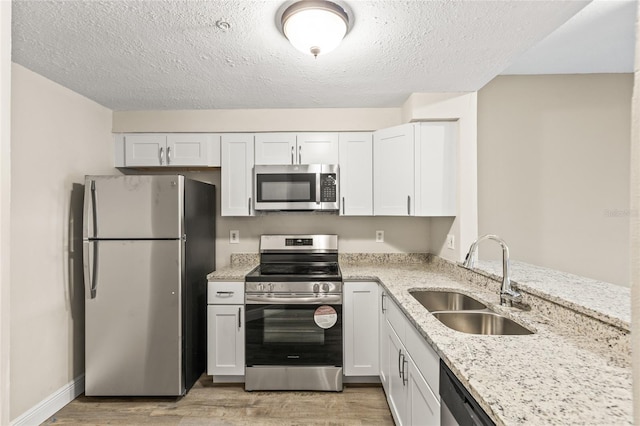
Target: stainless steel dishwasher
457, 405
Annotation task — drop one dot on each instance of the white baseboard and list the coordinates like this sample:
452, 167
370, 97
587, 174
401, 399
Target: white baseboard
52, 404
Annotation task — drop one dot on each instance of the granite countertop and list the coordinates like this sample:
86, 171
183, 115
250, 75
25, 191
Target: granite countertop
607, 302
543, 378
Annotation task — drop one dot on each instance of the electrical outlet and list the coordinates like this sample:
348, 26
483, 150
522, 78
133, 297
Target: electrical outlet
451, 242
234, 237
379, 236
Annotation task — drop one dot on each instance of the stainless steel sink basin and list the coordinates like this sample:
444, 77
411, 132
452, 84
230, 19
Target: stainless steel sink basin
481, 323
435, 300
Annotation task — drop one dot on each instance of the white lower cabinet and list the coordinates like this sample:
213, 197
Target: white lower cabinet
409, 369
225, 329
360, 319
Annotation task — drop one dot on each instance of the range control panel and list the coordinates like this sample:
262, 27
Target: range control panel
328, 193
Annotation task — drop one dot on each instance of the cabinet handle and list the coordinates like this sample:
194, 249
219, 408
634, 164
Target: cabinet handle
299, 155
249, 206
343, 205
161, 156
382, 303
404, 375
224, 293
168, 155
239, 318
292, 155
399, 363
408, 204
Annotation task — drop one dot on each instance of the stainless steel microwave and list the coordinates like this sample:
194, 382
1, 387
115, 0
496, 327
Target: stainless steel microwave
296, 187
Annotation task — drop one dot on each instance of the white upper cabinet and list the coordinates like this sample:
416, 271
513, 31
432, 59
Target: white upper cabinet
296, 148
167, 150
275, 148
237, 174
414, 170
393, 171
356, 173
436, 157
193, 149
317, 148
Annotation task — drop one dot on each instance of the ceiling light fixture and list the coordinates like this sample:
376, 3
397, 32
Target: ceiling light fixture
315, 26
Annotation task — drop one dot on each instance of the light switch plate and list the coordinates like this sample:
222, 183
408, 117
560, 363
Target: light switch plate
379, 236
234, 237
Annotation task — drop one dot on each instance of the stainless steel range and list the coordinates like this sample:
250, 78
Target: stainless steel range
293, 315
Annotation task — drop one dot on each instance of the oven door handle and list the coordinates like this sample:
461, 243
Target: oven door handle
290, 299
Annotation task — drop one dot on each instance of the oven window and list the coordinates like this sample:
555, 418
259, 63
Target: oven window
286, 187
291, 326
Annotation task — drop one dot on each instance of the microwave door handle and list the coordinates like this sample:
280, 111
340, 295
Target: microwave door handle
318, 177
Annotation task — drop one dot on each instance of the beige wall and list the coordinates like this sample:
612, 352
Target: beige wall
58, 136
635, 227
5, 202
553, 170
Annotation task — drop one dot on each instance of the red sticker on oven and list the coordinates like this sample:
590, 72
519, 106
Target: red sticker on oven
325, 316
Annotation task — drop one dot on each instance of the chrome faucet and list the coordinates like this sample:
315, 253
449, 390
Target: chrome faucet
507, 294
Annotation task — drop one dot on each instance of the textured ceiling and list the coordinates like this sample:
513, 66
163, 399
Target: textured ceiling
148, 55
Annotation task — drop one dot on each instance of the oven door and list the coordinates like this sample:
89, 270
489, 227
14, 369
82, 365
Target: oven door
293, 334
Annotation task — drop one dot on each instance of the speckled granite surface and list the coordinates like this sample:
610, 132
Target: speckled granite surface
605, 301
545, 378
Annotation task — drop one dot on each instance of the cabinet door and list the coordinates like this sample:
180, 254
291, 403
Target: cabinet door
436, 191
356, 173
225, 342
145, 150
192, 149
423, 407
393, 171
360, 310
397, 393
317, 148
237, 173
276, 148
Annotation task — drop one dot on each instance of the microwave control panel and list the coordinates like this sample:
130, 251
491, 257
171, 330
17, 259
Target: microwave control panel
328, 193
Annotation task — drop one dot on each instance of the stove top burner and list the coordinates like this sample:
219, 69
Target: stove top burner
281, 260
295, 272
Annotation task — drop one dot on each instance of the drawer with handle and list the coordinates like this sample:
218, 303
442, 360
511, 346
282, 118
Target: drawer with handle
225, 293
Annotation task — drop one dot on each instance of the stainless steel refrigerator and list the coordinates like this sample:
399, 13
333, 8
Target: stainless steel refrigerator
148, 245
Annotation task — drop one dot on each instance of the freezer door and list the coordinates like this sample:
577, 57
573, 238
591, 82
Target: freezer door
135, 206
133, 326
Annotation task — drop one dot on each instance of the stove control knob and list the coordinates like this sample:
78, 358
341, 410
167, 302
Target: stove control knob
261, 287
325, 287
270, 287
316, 287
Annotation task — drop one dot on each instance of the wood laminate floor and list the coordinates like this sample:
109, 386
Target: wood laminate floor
214, 404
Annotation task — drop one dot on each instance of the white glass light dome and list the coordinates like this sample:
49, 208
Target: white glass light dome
315, 27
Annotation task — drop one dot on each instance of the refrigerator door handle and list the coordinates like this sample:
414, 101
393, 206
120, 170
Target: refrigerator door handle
94, 203
90, 266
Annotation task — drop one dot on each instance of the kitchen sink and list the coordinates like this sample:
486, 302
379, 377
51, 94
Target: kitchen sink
435, 300
481, 323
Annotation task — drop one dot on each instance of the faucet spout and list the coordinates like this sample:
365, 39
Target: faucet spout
507, 294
